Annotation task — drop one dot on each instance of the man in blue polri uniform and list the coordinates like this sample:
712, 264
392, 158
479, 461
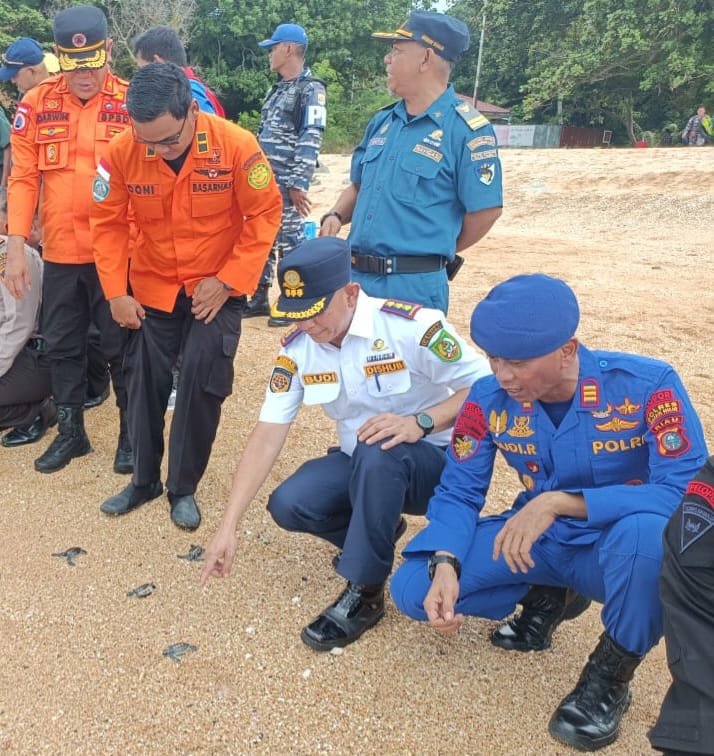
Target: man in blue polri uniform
604, 444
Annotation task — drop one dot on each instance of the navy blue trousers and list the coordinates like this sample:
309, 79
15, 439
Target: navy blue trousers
355, 502
620, 570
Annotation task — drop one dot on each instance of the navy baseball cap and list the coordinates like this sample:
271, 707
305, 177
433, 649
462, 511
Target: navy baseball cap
81, 37
22, 52
446, 35
286, 33
525, 317
311, 274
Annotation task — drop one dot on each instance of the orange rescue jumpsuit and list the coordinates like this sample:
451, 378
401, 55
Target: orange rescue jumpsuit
57, 141
217, 217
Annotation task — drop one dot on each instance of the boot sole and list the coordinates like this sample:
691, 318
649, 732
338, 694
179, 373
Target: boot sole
64, 464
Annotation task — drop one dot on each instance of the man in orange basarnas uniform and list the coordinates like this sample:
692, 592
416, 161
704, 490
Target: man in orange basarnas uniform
60, 131
207, 210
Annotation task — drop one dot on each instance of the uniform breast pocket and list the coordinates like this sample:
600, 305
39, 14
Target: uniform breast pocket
53, 148
147, 207
385, 384
320, 388
369, 165
415, 183
203, 205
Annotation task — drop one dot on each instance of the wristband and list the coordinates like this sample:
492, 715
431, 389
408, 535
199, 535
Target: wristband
327, 215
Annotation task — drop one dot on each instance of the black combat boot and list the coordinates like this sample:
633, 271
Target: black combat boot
544, 608
259, 306
589, 718
71, 441
123, 459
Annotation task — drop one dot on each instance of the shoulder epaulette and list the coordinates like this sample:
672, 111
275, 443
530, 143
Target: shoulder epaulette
291, 335
406, 310
474, 119
391, 106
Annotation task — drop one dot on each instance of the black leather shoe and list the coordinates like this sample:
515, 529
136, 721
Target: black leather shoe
94, 401
28, 434
398, 533
544, 608
131, 498
589, 717
184, 511
358, 608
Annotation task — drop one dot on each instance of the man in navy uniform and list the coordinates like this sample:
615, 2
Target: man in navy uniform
392, 375
604, 444
292, 123
426, 177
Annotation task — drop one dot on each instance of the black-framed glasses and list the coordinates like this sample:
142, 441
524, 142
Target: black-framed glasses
168, 142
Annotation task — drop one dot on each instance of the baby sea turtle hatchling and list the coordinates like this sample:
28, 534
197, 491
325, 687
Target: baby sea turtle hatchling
176, 650
71, 554
195, 553
142, 591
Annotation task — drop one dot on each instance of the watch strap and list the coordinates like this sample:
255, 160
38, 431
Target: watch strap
436, 559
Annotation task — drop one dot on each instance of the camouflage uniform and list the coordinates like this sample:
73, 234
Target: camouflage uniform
291, 126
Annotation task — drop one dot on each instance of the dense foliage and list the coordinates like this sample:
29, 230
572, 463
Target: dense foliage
626, 65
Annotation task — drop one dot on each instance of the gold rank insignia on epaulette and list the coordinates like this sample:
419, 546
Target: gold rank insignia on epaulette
201, 142
474, 119
403, 309
291, 335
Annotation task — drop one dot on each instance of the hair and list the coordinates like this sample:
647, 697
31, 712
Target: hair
300, 49
162, 41
156, 89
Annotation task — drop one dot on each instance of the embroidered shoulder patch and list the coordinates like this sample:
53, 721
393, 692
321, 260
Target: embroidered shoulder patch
406, 310
430, 332
470, 429
21, 120
446, 347
665, 419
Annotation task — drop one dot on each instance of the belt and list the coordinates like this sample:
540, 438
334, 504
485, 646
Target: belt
37, 344
384, 266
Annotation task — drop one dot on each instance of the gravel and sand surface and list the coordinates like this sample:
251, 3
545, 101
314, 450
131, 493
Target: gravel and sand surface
81, 664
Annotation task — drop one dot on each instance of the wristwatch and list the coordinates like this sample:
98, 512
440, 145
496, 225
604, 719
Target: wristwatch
327, 215
435, 559
425, 422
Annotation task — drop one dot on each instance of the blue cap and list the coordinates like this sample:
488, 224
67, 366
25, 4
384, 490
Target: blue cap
311, 274
446, 35
286, 33
22, 52
525, 317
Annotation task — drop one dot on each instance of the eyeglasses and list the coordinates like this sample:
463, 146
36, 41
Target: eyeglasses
168, 142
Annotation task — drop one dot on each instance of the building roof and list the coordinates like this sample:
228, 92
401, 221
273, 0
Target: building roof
491, 111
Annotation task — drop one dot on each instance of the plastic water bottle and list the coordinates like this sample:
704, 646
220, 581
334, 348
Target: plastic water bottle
310, 229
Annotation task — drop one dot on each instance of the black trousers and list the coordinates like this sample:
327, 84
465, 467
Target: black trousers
686, 720
205, 380
72, 298
23, 388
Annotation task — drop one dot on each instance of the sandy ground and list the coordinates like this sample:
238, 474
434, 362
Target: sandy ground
81, 664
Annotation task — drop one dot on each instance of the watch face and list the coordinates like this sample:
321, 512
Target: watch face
425, 422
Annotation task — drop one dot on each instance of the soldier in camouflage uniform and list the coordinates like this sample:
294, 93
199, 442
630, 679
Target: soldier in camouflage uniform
291, 126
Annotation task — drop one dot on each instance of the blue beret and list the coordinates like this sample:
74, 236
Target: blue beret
446, 35
525, 317
311, 274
